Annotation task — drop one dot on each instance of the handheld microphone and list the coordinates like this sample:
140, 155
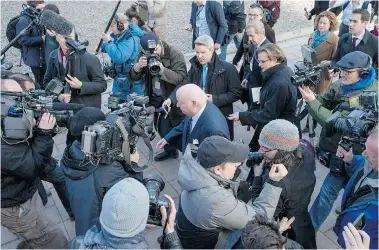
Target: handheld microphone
67, 106
55, 22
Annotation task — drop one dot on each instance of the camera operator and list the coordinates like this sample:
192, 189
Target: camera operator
361, 192
88, 83
357, 75
279, 144
122, 47
51, 42
86, 179
32, 42
172, 72
358, 39
23, 164
209, 208
53, 173
123, 219
278, 95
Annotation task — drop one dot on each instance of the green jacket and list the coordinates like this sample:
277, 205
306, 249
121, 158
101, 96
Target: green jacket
332, 101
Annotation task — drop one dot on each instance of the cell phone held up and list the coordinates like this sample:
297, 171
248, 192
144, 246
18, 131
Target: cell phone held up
360, 222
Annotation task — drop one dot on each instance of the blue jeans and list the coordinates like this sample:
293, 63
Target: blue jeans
224, 48
323, 204
122, 85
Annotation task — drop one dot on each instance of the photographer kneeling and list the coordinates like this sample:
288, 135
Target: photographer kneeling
209, 209
123, 219
279, 144
357, 75
87, 179
160, 84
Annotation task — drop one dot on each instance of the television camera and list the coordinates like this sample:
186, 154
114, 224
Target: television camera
117, 136
307, 72
356, 126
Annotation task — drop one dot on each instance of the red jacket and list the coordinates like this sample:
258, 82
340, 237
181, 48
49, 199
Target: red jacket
274, 6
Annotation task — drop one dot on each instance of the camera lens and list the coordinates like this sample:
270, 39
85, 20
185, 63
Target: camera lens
154, 185
154, 66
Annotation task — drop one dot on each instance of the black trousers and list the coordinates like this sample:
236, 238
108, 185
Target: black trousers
39, 73
163, 126
271, 23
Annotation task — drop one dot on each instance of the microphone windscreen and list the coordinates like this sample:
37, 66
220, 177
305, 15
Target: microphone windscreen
67, 106
57, 23
150, 110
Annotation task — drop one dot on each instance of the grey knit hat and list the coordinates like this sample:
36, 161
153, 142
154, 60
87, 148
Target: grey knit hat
280, 134
125, 209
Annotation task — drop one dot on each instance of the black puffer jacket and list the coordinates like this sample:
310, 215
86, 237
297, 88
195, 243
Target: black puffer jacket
21, 168
88, 70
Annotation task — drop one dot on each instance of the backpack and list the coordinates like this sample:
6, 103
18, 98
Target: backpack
11, 29
233, 8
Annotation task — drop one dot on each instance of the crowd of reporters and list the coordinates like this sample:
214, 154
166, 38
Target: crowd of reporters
194, 114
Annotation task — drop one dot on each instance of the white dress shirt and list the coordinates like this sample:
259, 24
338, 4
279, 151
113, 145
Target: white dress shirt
196, 117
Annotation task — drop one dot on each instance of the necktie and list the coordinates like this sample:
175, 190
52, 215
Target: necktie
189, 128
355, 41
204, 76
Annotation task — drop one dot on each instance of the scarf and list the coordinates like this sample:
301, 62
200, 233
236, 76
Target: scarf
317, 38
105, 240
361, 84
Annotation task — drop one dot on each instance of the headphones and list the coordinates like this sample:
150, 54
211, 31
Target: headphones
120, 25
365, 72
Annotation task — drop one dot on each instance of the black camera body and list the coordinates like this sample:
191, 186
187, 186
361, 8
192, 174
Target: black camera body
153, 64
154, 185
116, 138
109, 70
356, 126
254, 158
307, 72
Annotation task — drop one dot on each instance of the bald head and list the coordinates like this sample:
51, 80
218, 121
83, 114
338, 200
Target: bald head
190, 99
10, 85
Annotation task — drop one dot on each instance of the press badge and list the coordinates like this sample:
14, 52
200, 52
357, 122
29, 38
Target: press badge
354, 102
157, 85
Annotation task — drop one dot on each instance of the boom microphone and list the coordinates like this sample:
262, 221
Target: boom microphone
67, 106
57, 23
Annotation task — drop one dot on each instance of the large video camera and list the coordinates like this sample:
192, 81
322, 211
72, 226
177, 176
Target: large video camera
307, 72
357, 125
21, 107
154, 185
117, 136
152, 59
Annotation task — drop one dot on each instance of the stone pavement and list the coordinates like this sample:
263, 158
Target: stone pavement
326, 239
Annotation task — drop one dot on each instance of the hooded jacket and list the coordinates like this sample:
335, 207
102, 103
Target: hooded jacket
87, 184
208, 205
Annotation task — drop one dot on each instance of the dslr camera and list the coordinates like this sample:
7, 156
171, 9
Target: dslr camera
154, 185
307, 72
357, 125
116, 137
152, 59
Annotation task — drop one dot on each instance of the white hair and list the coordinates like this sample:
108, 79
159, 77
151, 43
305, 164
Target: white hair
205, 40
257, 25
